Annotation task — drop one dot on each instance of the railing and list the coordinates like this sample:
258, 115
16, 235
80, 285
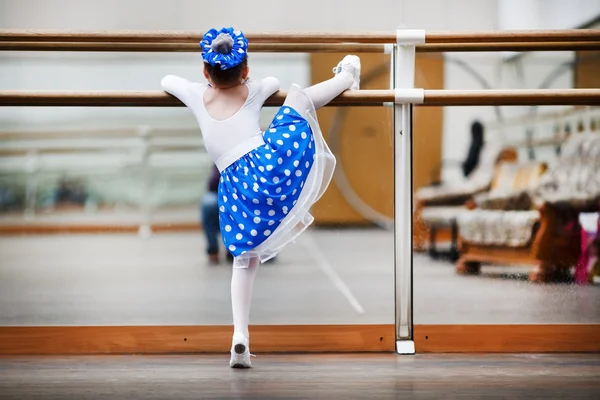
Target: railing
294, 37
318, 42
401, 44
349, 98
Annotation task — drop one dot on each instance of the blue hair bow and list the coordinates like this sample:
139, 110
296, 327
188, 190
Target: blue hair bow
225, 60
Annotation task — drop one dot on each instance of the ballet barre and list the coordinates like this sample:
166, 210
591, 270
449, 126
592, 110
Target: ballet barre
190, 47
295, 37
10, 98
91, 149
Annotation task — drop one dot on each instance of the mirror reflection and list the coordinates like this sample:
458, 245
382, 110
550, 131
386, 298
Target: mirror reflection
109, 215
505, 229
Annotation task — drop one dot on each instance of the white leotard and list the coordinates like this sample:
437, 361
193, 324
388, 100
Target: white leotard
225, 140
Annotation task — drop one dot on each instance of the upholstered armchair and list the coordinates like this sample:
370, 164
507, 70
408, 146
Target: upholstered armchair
539, 225
437, 206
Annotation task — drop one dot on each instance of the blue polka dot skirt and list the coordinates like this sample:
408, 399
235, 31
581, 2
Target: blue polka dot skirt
265, 196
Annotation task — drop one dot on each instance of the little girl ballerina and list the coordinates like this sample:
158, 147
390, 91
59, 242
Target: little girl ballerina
269, 180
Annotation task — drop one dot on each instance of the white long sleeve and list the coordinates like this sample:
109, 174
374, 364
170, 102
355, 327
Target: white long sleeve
268, 86
221, 136
183, 89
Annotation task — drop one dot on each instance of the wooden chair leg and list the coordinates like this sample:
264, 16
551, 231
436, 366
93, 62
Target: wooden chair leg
420, 231
454, 255
468, 267
539, 274
595, 272
433, 253
546, 272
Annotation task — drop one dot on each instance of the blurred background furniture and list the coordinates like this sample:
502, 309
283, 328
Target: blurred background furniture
539, 226
436, 207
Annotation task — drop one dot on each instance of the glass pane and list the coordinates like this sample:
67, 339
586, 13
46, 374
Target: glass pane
500, 257
101, 207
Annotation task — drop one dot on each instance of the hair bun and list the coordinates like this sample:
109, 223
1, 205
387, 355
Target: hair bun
223, 43
225, 47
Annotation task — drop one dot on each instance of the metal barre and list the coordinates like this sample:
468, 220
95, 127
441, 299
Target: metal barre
294, 48
302, 37
348, 98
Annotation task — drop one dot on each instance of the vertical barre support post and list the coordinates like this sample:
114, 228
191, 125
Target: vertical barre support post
404, 78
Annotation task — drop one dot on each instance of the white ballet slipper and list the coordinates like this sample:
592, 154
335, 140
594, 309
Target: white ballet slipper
350, 64
240, 352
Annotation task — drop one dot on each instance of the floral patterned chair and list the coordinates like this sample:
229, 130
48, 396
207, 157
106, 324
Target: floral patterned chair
437, 206
539, 226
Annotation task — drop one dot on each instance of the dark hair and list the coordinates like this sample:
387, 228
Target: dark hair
226, 77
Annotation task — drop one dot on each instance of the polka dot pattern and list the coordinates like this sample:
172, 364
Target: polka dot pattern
259, 189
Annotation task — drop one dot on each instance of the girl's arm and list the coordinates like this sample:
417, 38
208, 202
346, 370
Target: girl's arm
180, 88
268, 86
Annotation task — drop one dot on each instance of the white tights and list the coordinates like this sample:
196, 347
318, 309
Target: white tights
242, 283
321, 93
242, 280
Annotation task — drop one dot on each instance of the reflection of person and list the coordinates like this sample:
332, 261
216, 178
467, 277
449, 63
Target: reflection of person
210, 217
8, 199
70, 192
477, 143
268, 180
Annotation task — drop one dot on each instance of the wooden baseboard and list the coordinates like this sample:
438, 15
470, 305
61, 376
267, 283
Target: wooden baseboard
297, 339
193, 339
507, 338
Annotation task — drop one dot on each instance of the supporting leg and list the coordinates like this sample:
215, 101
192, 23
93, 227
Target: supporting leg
242, 284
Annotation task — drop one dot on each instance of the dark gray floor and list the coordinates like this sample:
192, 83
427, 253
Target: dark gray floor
348, 376
328, 277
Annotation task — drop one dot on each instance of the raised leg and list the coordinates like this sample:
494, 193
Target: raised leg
347, 76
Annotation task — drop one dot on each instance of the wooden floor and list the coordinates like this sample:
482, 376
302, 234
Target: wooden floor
347, 376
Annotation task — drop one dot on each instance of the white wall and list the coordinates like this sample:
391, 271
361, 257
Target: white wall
560, 14
257, 15
546, 14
